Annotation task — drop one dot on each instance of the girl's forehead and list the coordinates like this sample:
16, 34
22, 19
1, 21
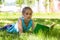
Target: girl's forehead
29, 11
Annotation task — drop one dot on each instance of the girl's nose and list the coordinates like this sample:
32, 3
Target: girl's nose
28, 15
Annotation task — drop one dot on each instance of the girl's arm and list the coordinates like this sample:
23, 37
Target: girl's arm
20, 26
33, 26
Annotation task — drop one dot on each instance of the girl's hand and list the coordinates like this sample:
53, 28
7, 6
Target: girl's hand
30, 31
21, 33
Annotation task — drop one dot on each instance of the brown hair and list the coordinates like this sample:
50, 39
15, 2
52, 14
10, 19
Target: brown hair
26, 8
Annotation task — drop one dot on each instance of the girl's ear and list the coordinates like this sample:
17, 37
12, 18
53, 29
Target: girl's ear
23, 15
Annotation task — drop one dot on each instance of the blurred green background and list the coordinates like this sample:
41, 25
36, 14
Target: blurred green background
45, 12
9, 18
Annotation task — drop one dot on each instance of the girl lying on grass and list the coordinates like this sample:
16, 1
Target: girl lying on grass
24, 23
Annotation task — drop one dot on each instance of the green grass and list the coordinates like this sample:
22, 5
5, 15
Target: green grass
9, 18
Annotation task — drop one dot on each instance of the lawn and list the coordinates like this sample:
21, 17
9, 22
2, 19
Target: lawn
46, 19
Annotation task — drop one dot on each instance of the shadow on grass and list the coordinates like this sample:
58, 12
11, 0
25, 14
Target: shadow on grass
46, 31
46, 21
54, 33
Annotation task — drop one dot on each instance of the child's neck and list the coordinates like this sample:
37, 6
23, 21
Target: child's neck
26, 22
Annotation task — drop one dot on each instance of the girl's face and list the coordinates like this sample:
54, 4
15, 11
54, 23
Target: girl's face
27, 15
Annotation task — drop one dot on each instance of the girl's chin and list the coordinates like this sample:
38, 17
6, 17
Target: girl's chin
27, 19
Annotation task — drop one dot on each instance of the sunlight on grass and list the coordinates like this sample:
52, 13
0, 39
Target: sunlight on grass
35, 15
41, 18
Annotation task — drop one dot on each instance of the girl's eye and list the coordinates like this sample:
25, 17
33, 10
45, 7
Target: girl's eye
30, 13
26, 13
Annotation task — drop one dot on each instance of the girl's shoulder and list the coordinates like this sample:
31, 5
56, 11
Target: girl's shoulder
20, 18
31, 20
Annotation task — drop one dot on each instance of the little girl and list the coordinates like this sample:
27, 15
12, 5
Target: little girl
24, 23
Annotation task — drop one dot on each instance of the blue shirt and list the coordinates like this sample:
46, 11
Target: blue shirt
26, 28
14, 27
